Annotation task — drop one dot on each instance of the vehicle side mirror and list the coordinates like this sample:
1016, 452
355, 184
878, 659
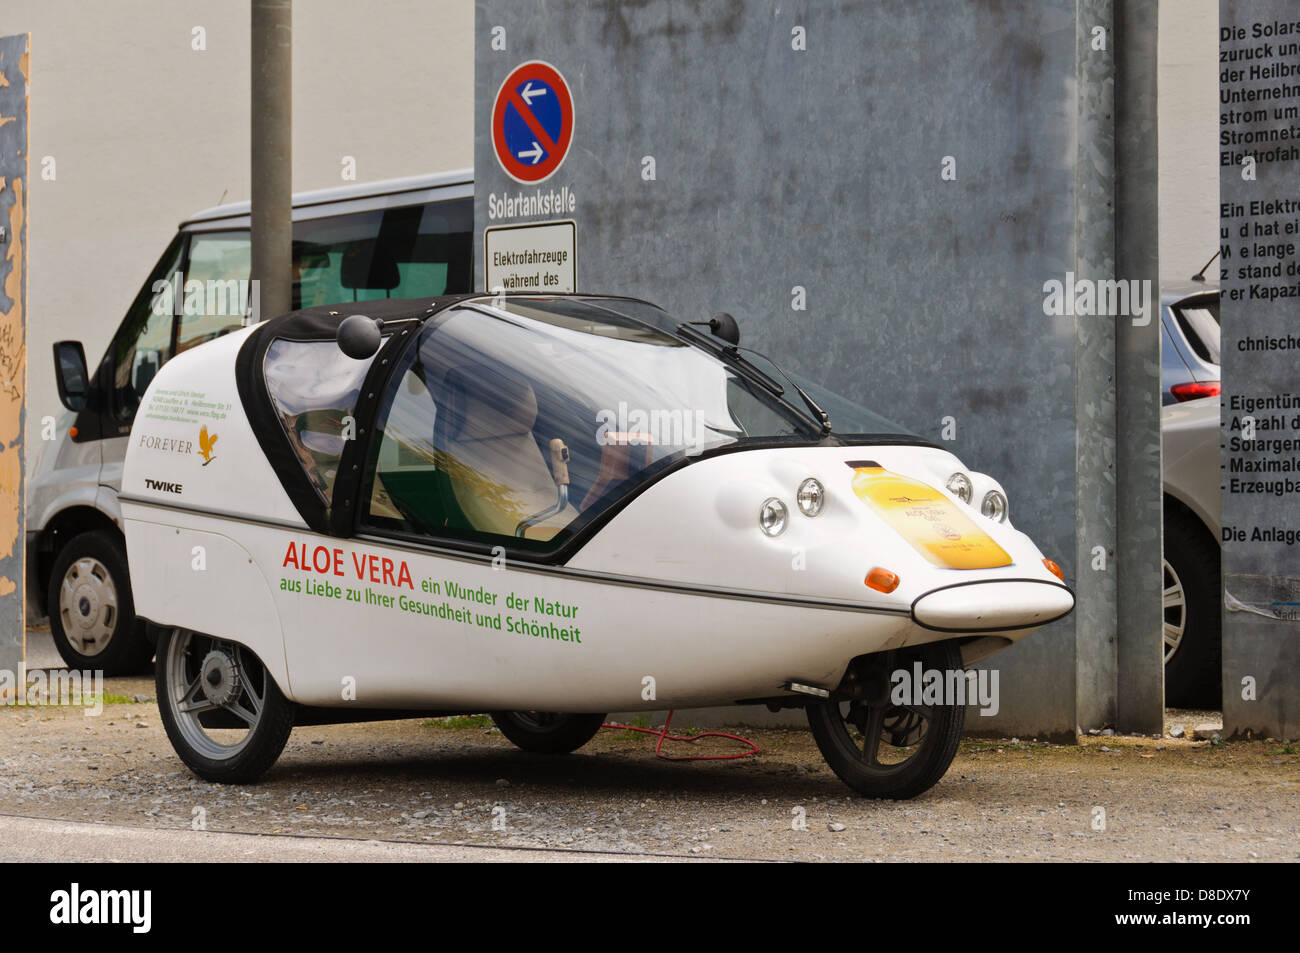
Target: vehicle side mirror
70, 374
359, 336
724, 326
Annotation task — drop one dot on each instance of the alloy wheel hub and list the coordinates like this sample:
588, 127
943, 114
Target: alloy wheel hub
219, 677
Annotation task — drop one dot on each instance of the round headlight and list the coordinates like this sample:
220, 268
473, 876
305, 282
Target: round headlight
810, 497
772, 517
959, 486
994, 506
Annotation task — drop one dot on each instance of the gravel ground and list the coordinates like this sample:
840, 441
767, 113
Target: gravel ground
463, 783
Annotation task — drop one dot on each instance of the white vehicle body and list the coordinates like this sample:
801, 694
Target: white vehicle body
679, 586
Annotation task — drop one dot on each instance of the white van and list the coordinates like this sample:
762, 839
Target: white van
403, 238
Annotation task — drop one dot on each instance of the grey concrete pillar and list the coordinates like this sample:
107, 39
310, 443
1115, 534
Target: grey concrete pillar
1094, 259
272, 156
1139, 493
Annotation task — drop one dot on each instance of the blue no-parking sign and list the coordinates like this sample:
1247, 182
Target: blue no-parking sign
532, 122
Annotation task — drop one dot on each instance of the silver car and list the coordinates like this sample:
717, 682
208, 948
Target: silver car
1193, 583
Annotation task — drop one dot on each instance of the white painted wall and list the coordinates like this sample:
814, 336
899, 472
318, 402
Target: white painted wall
144, 130
1189, 132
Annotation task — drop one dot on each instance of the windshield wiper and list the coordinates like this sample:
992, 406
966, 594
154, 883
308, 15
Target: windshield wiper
731, 353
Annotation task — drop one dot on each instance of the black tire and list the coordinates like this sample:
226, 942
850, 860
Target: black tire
180, 651
1194, 670
547, 732
939, 732
92, 614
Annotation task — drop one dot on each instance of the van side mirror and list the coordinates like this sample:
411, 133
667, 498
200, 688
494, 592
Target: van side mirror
70, 374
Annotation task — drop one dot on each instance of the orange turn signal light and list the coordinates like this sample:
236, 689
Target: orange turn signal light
882, 580
1054, 569
72, 432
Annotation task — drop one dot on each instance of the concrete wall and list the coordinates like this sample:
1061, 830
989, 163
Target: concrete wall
1261, 507
164, 131
144, 130
821, 169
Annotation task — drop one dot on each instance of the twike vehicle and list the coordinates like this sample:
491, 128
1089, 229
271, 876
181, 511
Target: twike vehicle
547, 508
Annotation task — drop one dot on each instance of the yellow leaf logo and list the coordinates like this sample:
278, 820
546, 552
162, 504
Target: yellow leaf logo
206, 443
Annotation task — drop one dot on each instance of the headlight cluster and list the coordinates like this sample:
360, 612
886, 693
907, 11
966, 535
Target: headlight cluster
959, 485
810, 497
774, 516
994, 504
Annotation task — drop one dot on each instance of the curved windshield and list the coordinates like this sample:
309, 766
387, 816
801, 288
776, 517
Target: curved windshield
523, 419
314, 387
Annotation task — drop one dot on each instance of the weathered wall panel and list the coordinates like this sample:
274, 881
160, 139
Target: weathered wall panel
1260, 231
799, 155
14, 71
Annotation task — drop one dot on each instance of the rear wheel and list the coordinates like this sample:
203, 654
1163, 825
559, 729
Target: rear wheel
224, 714
884, 750
1192, 614
92, 616
545, 732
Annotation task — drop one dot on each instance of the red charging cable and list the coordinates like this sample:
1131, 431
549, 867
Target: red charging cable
663, 735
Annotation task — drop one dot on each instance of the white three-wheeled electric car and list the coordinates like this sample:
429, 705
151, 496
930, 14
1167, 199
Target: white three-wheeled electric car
548, 508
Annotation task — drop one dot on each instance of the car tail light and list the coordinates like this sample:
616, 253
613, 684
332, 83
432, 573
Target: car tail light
1190, 390
882, 580
1054, 569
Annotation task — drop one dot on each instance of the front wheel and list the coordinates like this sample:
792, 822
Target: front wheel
884, 750
545, 732
92, 617
224, 714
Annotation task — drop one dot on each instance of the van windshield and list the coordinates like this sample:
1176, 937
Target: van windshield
200, 290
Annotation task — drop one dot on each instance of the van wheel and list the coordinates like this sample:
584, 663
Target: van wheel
92, 616
883, 750
1192, 614
544, 732
224, 714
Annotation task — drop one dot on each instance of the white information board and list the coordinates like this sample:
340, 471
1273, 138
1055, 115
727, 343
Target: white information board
531, 258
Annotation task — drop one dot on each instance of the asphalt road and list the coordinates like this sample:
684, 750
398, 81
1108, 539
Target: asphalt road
40, 840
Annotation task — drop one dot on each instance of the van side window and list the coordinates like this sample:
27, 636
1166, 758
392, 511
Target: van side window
314, 387
411, 251
216, 287
416, 251
143, 342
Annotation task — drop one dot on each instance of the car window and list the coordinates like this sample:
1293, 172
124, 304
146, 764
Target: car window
416, 251
216, 288
314, 388
522, 425
1200, 325
143, 342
